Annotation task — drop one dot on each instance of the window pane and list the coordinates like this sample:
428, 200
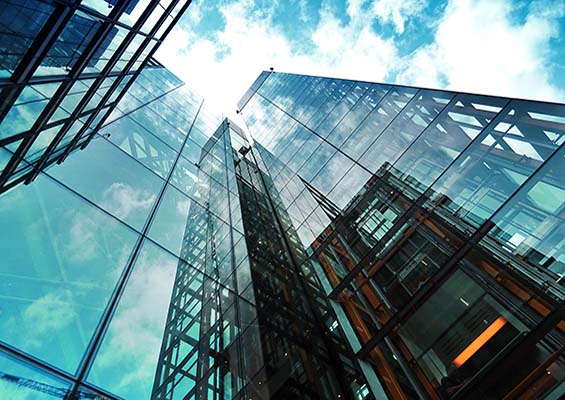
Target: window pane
531, 227
397, 136
111, 179
177, 220
27, 108
61, 258
11, 388
159, 127
127, 359
140, 144
499, 160
20, 22
69, 46
444, 140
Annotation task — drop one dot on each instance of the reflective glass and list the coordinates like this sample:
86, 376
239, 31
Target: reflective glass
319, 157
41, 143
70, 44
102, 6
27, 108
127, 359
499, 160
173, 223
372, 127
20, 22
186, 176
401, 132
159, 127
349, 186
5, 156
20, 381
133, 46
140, 144
61, 258
111, 179
134, 11
107, 49
358, 113
332, 172
531, 226
439, 332
446, 138
192, 151
153, 18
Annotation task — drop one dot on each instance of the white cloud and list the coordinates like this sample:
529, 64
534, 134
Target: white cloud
82, 243
397, 12
50, 313
479, 48
122, 199
223, 67
134, 337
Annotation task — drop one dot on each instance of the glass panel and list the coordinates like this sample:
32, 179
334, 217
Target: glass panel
128, 356
192, 151
443, 141
498, 162
178, 218
128, 53
112, 180
20, 22
530, 228
440, 332
70, 44
361, 110
27, 108
133, 11
5, 156
319, 157
153, 19
332, 172
140, 144
186, 177
41, 143
61, 258
350, 186
159, 127
107, 49
380, 117
395, 139
21, 381
102, 6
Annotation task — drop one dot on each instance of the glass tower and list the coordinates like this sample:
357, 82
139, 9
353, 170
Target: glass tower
64, 65
90, 249
435, 223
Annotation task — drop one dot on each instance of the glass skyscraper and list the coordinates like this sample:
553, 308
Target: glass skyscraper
350, 240
435, 223
64, 65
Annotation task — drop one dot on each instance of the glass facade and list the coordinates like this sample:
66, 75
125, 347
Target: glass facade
357, 241
89, 250
435, 223
64, 65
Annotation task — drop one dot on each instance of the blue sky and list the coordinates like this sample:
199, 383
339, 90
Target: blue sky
499, 47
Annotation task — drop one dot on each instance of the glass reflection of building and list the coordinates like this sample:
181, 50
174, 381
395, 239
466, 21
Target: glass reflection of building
434, 221
64, 65
242, 322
